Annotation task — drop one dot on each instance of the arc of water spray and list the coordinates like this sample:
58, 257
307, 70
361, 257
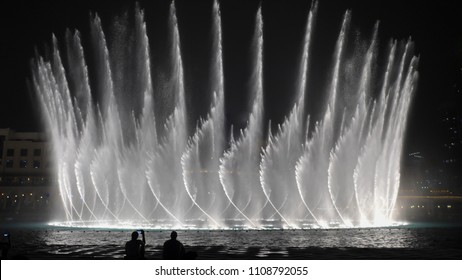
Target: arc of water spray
124, 192
106, 206
267, 194
211, 130
197, 205
159, 202
323, 135
348, 141
286, 145
79, 184
399, 123
245, 145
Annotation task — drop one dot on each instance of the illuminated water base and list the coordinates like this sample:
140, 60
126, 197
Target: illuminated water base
120, 164
202, 225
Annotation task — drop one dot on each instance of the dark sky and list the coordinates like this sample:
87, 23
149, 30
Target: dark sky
435, 27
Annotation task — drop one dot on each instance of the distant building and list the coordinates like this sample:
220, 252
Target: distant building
26, 178
452, 149
437, 169
24, 158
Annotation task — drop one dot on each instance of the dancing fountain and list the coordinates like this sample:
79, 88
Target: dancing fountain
120, 164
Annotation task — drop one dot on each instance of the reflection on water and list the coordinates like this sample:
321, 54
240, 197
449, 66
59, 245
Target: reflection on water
332, 238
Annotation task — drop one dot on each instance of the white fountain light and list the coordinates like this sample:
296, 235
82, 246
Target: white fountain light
124, 166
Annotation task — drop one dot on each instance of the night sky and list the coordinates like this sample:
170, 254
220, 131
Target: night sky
435, 27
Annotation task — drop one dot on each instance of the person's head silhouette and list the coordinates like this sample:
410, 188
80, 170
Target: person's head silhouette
134, 235
173, 235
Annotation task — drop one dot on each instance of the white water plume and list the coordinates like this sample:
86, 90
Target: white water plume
119, 163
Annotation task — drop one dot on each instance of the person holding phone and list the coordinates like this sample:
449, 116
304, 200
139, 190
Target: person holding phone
134, 249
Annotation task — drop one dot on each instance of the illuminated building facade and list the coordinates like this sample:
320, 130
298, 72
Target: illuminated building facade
25, 171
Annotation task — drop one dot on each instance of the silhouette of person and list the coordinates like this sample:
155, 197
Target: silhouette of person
5, 245
134, 249
173, 249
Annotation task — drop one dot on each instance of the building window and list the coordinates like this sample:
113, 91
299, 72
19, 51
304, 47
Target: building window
24, 152
36, 164
37, 152
10, 153
9, 163
23, 163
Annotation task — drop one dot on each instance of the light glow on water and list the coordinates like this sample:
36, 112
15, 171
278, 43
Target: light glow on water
168, 225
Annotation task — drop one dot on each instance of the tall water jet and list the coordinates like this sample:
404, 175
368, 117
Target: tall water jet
165, 166
285, 148
379, 162
201, 159
344, 156
312, 168
239, 170
87, 168
120, 163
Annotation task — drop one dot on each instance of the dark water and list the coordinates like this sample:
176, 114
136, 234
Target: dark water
38, 241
